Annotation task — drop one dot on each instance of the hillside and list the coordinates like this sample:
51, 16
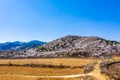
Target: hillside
79, 46
69, 46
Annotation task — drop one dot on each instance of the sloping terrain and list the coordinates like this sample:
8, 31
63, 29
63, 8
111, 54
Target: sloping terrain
68, 46
79, 46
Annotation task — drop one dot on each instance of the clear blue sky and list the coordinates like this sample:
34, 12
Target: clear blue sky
46, 20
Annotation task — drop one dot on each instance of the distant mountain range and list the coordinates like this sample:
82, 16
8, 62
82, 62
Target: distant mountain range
17, 45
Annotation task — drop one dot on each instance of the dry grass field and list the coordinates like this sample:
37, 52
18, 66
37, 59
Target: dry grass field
28, 73
52, 61
13, 69
38, 71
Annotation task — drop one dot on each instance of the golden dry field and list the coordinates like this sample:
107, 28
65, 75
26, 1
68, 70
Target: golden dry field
38, 71
32, 73
53, 61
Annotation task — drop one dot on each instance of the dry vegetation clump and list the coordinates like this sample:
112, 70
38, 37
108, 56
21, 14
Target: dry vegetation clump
89, 68
114, 71
39, 65
103, 67
111, 69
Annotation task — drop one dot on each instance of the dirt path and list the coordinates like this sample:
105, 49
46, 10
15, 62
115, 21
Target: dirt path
68, 76
97, 72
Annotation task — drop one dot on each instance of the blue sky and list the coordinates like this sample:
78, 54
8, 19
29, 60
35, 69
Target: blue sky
46, 20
